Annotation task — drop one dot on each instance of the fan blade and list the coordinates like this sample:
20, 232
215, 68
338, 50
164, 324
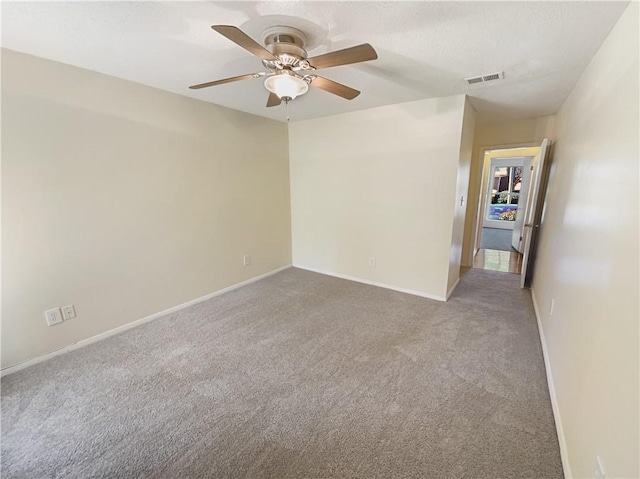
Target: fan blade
273, 100
357, 54
220, 82
334, 87
240, 38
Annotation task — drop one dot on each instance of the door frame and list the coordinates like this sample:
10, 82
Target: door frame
474, 244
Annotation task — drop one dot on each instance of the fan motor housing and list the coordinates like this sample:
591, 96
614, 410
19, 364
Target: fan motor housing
285, 42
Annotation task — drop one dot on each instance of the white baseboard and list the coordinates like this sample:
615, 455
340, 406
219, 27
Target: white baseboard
552, 393
372, 283
133, 324
452, 288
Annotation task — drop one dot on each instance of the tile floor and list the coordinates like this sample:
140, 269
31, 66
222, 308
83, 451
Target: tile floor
494, 260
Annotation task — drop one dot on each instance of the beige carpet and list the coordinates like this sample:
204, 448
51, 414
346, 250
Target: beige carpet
299, 375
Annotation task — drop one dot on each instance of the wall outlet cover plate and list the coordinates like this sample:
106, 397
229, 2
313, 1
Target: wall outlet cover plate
68, 312
53, 316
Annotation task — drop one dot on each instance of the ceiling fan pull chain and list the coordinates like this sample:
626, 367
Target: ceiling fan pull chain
286, 102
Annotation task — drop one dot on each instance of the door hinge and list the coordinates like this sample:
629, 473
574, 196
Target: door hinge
531, 167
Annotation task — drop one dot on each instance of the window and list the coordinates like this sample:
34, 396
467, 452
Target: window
505, 193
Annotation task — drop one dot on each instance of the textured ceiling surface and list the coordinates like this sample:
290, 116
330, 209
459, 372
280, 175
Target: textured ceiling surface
425, 49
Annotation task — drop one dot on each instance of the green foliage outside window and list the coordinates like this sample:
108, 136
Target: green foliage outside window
503, 198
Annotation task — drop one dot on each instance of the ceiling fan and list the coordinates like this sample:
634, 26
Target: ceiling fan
290, 71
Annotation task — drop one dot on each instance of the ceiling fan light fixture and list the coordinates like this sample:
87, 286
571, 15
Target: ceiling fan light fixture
286, 85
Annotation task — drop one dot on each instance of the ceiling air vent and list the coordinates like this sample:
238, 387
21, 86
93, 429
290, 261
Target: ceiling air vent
473, 80
485, 78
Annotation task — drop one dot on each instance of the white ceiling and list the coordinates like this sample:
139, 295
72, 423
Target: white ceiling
425, 49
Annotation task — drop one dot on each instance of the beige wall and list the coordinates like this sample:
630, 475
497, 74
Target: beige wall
497, 133
588, 261
125, 200
462, 187
381, 183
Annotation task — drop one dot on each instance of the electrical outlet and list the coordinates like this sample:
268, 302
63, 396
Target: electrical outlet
53, 316
68, 312
553, 303
372, 262
246, 260
598, 470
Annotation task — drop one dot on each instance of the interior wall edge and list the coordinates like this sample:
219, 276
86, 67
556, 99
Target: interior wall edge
452, 288
14, 368
564, 455
457, 255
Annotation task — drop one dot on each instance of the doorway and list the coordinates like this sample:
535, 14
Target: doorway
507, 183
509, 197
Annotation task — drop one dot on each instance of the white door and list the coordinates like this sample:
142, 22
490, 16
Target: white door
533, 209
516, 237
